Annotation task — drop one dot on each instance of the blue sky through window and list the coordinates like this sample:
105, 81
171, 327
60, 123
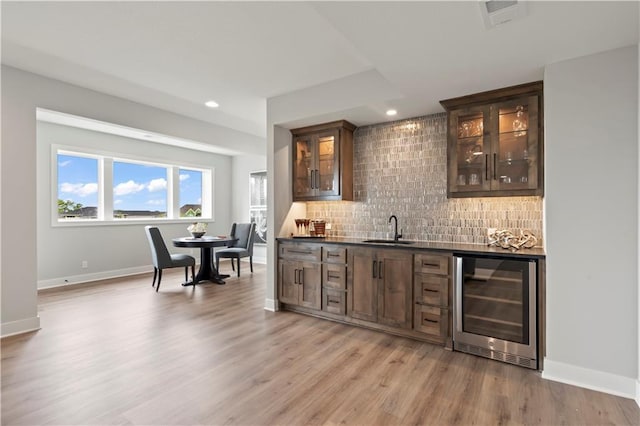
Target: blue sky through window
190, 187
139, 187
78, 179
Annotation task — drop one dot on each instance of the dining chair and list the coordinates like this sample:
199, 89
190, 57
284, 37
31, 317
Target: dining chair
162, 259
245, 233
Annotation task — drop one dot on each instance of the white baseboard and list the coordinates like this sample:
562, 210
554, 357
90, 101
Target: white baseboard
85, 278
270, 305
591, 379
19, 327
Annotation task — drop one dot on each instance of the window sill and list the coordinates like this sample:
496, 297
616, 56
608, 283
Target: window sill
126, 222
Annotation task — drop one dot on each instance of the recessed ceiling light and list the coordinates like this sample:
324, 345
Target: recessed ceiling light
391, 112
212, 104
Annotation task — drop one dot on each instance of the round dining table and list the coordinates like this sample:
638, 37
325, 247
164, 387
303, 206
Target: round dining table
207, 271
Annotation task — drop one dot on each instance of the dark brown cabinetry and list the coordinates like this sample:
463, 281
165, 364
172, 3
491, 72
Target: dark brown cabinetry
334, 280
495, 143
323, 162
299, 275
380, 286
432, 283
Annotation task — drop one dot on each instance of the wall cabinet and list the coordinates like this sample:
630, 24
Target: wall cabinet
323, 162
432, 294
495, 143
299, 275
380, 286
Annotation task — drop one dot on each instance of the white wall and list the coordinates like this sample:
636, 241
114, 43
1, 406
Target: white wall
61, 250
591, 167
243, 166
22, 93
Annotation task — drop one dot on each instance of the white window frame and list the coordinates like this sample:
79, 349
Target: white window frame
105, 188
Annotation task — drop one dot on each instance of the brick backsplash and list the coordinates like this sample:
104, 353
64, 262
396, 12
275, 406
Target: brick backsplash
401, 168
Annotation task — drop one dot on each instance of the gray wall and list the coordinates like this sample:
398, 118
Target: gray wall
591, 109
61, 249
22, 93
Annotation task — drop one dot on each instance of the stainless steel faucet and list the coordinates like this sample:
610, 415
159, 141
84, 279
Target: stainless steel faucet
396, 236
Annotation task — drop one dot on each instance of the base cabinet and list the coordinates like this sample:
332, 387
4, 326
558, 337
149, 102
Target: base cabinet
300, 283
431, 293
394, 290
334, 280
299, 277
380, 287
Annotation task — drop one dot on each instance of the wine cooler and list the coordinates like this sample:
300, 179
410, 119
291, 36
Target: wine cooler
495, 308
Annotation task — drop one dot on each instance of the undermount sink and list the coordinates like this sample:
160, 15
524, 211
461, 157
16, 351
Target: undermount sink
388, 241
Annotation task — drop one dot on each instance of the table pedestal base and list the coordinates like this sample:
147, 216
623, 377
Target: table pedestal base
207, 271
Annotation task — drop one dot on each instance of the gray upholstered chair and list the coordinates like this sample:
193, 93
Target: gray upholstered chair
245, 233
162, 259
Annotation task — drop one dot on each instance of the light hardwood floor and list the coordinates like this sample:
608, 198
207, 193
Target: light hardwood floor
116, 352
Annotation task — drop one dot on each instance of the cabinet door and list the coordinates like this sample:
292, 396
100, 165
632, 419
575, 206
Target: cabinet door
495, 143
515, 147
327, 173
469, 150
395, 273
288, 281
363, 285
310, 277
303, 166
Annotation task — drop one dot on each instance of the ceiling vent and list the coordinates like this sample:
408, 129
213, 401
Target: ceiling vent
496, 12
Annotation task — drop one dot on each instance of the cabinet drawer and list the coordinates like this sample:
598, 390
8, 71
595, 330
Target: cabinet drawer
431, 320
334, 254
334, 276
300, 252
334, 301
431, 290
432, 264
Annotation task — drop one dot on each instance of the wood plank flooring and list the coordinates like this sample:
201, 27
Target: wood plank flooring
118, 353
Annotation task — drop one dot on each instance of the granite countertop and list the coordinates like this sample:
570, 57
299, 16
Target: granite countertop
536, 252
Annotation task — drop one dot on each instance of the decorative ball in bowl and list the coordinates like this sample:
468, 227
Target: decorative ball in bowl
197, 234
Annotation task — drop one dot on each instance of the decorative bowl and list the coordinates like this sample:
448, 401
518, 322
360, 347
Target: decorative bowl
197, 234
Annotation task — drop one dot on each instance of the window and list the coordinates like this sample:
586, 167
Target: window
139, 191
190, 193
77, 187
102, 188
258, 205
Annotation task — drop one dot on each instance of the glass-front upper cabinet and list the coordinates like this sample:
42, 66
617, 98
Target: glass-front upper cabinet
494, 143
470, 154
323, 162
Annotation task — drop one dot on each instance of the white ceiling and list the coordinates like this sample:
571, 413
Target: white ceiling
177, 55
